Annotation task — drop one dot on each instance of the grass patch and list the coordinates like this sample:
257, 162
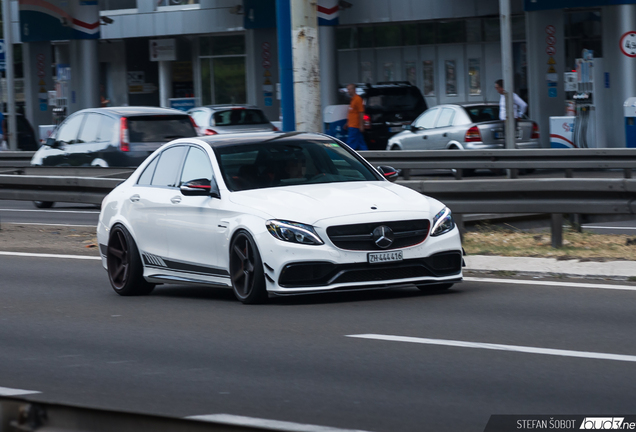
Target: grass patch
583, 246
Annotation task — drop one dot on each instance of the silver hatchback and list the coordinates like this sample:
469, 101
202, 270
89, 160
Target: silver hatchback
462, 127
222, 119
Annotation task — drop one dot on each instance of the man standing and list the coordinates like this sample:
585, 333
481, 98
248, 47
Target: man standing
519, 105
355, 120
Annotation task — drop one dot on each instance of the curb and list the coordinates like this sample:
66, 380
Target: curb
551, 267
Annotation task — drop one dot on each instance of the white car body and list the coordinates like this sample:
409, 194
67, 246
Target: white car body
187, 239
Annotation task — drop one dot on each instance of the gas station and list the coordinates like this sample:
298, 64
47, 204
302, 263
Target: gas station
574, 60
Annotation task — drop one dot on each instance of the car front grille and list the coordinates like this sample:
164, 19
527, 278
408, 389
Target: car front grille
360, 236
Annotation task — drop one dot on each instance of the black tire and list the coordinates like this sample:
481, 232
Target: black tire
438, 287
43, 204
125, 271
246, 270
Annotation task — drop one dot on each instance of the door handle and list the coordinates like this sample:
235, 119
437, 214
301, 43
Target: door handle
445, 135
135, 198
175, 200
425, 137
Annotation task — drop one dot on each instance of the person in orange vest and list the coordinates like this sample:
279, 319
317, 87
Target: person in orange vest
355, 120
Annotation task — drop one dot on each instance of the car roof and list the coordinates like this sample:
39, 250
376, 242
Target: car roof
126, 111
223, 140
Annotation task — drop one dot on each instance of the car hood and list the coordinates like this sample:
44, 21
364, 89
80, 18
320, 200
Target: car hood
312, 203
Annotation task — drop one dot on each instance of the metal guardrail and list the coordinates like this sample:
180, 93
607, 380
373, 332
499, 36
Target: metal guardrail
22, 415
556, 196
87, 190
15, 158
567, 159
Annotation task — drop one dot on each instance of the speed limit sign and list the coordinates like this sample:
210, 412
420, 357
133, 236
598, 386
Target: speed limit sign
628, 44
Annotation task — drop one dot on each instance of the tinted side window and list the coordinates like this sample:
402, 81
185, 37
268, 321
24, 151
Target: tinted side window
239, 116
197, 166
427, 120
108, 129
146, 177
446, 117
90, 128
69, 130
168, 166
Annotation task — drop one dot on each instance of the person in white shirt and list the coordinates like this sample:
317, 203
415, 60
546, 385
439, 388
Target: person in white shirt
519, 104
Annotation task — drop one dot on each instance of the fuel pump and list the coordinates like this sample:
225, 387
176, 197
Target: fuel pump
587, 102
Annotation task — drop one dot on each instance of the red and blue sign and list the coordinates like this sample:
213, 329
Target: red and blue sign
49, 20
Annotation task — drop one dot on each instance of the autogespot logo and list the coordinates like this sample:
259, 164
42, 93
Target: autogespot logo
383, 236
602, 423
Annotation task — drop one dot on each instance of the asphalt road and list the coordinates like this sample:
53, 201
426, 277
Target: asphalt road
195, 351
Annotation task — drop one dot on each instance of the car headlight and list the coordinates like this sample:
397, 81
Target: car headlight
442, 223
293, 232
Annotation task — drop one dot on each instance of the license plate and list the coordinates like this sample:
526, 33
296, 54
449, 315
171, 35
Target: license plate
396, 129
502, 135
383, 257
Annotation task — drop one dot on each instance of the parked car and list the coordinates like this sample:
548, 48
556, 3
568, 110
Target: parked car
463, 127
117, 136
26, 136
388, 106
272, 214
222, 119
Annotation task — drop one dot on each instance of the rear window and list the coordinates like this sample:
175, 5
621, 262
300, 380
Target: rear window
395, 99
148, 129
235, 117
482, 113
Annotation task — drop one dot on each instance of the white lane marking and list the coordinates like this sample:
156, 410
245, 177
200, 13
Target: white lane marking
608, 227
42, 255
4, 391
270, 424
48, 224
50, 211
553, 283
499, 347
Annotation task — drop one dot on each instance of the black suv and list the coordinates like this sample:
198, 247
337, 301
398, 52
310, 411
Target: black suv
387, 107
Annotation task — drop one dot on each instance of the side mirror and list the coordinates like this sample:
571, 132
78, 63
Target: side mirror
389, 173
52, 143
414, 128
200, 187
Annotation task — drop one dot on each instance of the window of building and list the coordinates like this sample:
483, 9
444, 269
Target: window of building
583, 30
177, 2
427, 33
346, 38
492, 30
117, 4
409, 34
222, 69
365, 37
473, 30
451, 32
388, 36
474, 76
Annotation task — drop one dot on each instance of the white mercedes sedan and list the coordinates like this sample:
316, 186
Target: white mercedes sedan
273, 214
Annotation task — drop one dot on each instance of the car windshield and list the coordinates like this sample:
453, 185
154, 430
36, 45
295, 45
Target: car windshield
239, 116
278, 163
482, 113
148, 129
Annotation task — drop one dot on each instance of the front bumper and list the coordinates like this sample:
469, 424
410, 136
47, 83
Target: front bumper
325, 274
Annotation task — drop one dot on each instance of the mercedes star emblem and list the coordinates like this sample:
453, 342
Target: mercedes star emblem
383, 236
